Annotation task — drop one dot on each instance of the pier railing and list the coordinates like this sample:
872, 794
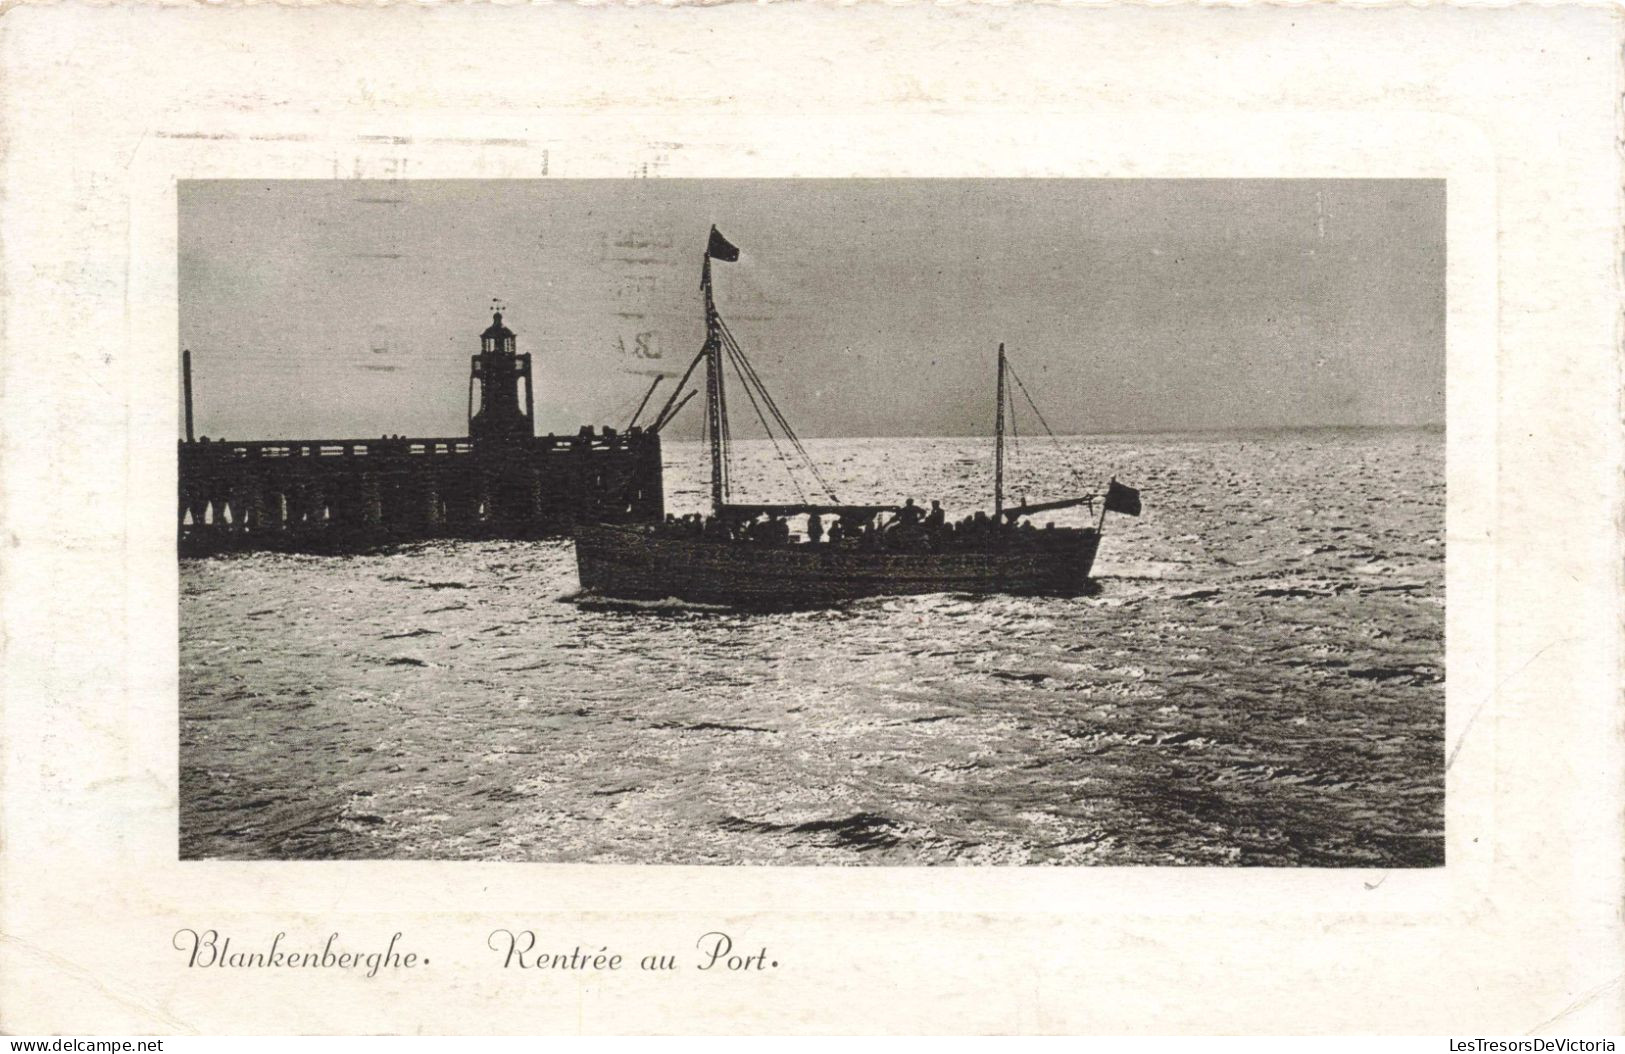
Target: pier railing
355, 448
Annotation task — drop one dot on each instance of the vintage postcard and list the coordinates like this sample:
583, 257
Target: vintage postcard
599, 519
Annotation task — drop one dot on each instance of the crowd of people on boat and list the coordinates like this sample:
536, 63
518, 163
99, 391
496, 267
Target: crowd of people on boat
909, 528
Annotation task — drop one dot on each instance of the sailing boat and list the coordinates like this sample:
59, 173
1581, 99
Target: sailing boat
743, 554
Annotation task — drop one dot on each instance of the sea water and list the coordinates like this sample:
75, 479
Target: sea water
1259, 681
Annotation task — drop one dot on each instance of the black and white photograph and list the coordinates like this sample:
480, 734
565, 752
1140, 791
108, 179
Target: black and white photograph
890, 522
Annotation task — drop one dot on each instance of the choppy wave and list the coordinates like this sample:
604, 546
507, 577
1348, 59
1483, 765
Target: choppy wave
1259, 681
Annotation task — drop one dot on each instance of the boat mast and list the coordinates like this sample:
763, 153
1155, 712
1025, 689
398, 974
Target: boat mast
716, 408
998, 445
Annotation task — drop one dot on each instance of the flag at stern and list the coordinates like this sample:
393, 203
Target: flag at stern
1119, 498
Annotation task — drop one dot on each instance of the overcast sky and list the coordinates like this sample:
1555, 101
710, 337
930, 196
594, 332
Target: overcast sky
870, 307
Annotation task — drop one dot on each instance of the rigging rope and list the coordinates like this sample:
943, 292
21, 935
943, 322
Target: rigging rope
753, 380
788, 470
1015, 433
721, 438
727, 435
621, 409
1053, 438
767, 396
753, 388
1032, 404
1014, 462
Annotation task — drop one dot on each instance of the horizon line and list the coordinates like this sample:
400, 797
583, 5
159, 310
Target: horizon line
1217, 429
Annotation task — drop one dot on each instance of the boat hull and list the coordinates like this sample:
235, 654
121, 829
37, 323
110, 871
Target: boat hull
636, 563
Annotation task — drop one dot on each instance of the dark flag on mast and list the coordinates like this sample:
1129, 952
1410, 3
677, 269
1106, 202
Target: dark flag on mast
1119, 498
721, 248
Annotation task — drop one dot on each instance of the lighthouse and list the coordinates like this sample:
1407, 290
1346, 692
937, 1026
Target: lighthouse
498, 371
503, 481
